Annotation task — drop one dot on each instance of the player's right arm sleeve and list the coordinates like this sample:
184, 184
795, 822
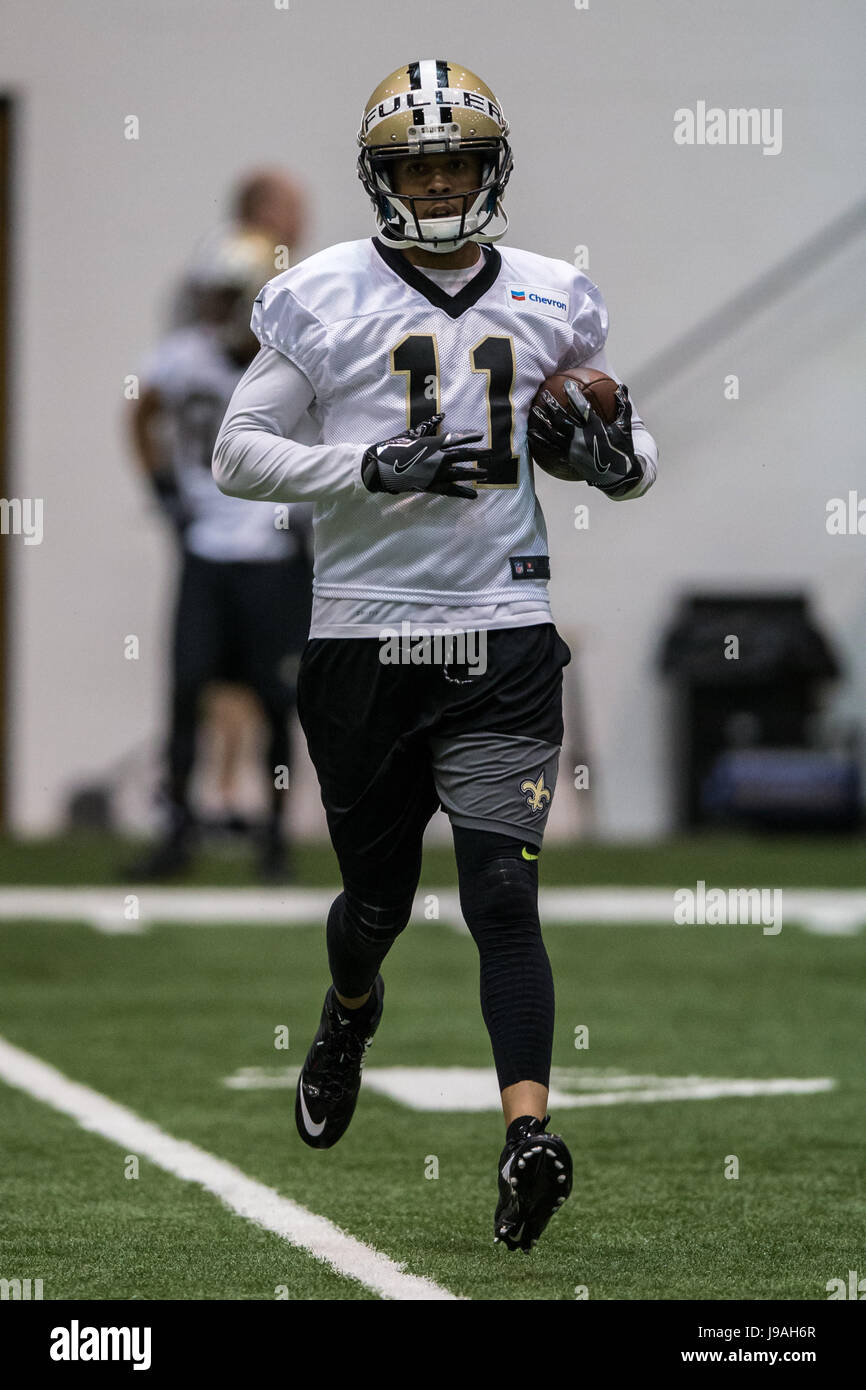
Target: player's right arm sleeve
254, 456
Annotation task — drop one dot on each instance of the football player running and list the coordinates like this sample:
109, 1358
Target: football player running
418, 353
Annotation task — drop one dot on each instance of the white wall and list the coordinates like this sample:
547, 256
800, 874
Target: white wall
104, 224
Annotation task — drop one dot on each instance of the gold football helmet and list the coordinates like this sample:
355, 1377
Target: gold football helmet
434, 107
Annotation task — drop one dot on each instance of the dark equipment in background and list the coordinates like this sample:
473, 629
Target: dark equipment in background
749, 672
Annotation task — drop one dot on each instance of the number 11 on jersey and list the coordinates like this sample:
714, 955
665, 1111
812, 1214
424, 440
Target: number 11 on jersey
417, 358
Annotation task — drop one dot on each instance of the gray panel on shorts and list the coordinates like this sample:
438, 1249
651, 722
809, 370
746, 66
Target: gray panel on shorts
501, 782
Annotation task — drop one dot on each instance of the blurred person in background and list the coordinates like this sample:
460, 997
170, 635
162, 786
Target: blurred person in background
265, 202
244, 600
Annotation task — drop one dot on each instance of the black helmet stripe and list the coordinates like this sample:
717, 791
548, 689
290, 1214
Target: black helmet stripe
414, 76
441, 73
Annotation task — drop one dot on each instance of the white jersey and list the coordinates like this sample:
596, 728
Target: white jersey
195, 378
382, 347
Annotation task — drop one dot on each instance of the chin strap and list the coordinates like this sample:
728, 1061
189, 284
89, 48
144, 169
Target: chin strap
490, 237
445, 248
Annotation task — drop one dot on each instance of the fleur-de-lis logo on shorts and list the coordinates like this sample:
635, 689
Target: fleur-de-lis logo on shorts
536, 793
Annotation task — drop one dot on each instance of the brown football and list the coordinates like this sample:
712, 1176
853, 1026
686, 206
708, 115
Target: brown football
600, 391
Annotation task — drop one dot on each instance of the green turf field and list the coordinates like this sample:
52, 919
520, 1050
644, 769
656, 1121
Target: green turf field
158, 1021
829, 862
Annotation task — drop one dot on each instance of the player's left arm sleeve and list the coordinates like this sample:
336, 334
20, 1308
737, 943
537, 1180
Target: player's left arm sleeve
645, 447
254, 456
590, 326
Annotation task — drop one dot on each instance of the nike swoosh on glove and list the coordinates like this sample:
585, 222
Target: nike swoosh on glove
601, 454
422, 460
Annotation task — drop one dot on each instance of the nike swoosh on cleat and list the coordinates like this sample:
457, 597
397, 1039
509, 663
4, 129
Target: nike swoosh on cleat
313, 1129
527, 855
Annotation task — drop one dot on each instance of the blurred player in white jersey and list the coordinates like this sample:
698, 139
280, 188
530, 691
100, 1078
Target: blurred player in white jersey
244, 599
419, 353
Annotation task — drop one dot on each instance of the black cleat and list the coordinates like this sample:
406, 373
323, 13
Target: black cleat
330, 1078
535, 1175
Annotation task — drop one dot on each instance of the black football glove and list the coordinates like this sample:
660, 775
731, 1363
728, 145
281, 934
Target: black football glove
602, 455
422, 460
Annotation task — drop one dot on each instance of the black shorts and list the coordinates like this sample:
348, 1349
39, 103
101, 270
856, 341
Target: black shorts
242, 621
393, 742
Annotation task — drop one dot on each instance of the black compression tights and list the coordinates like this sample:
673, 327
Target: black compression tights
499, 900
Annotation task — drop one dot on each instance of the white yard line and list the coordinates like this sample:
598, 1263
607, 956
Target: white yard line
463, 1089
473, 1090
131, 909
250, 1199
